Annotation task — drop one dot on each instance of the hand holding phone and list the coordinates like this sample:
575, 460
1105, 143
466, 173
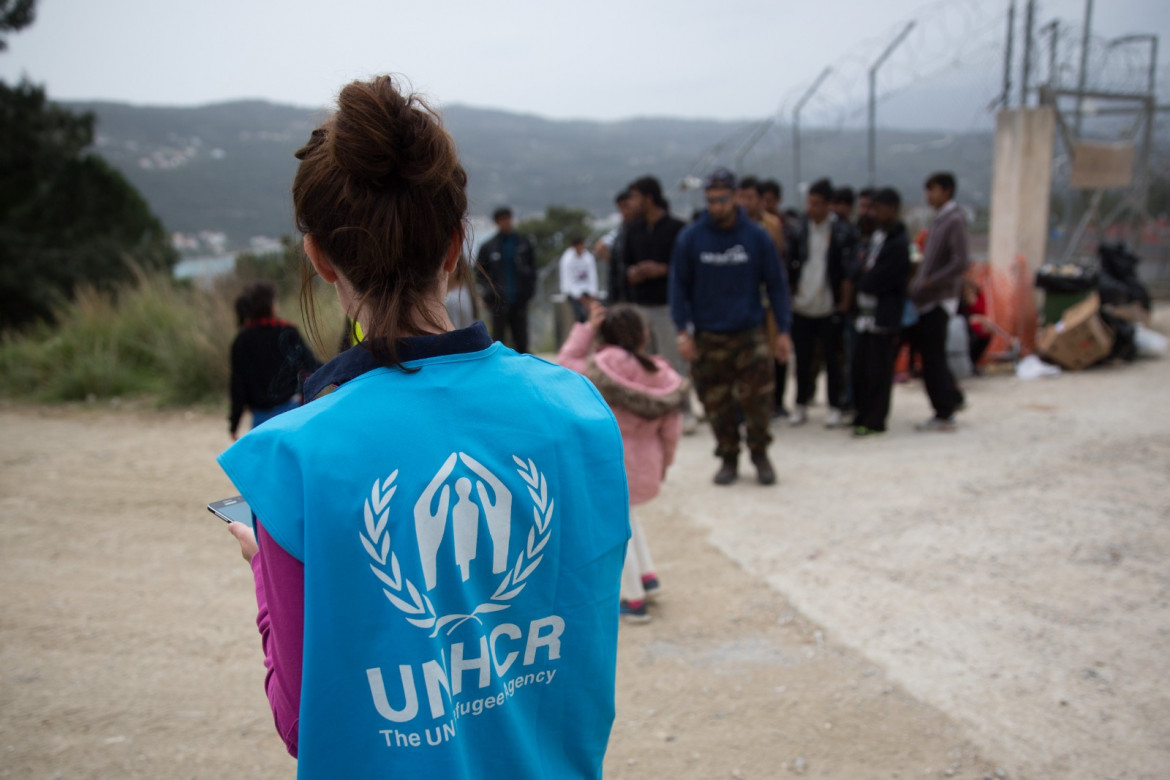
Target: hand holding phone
236, 512
232, 510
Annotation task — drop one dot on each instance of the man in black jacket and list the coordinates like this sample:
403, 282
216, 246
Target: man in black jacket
611, 249
816, 262
507, 273
648, 243
881, 296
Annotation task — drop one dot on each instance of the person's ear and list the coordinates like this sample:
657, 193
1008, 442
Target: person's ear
454, 251
321, 262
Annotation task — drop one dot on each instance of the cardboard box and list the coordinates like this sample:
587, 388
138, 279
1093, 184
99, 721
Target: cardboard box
1130, 312
1080, 339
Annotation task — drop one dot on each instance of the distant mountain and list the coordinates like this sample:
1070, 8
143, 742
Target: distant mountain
228, 167
225, 167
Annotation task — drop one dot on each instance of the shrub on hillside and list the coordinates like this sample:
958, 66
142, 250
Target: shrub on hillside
153, 337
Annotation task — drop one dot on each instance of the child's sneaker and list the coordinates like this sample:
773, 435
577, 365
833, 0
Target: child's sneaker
635, 611
651, 586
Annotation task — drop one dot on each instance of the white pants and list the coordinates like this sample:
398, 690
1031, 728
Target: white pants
638, 562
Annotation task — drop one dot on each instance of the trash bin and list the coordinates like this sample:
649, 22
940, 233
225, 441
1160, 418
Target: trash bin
1064, 286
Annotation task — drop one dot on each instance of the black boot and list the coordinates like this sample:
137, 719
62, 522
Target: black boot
728, 471
764, 471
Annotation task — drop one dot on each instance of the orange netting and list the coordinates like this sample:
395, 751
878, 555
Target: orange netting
1011, 304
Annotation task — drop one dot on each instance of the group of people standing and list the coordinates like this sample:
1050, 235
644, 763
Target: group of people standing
733, 296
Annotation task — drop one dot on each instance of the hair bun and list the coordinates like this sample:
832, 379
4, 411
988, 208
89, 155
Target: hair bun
383, 137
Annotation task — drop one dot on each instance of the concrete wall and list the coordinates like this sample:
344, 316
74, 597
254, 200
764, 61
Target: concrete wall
1021, 185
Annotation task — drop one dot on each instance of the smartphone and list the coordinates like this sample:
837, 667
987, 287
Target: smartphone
232, 510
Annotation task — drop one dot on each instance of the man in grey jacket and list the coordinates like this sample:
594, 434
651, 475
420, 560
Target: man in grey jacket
935, 292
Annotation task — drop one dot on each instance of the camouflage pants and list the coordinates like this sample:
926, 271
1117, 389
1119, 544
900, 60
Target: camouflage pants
734, 372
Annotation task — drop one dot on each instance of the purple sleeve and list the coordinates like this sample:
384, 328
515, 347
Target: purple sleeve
280, 596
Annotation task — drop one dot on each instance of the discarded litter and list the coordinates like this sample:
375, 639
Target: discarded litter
1033, 367
1149, 343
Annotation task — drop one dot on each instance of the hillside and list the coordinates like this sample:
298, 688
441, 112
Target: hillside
227, 167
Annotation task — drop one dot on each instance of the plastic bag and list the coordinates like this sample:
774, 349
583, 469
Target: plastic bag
1149, 343
1119, 283
1068, 278
1033, 367
1117, 260
1124, 347
909, 314
959, 348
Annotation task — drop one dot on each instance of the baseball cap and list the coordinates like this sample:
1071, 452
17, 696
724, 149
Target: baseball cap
720, 178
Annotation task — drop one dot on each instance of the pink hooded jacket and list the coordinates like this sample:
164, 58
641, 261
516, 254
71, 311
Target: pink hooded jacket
645, 403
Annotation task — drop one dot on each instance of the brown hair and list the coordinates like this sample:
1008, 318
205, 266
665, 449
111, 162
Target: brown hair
382, 193
255, 302
625, 327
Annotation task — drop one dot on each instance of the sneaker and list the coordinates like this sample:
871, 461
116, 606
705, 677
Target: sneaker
727, 472
799, 416
834, 419
764, 471
861, 432
780, 413
941, 424
651, 586
634, 611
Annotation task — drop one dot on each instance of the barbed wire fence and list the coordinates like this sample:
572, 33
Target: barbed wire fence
963, 42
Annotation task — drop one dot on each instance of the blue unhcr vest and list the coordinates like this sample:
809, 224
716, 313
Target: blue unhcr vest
463, 529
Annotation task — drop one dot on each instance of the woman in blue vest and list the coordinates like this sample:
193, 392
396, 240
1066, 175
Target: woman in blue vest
440, 529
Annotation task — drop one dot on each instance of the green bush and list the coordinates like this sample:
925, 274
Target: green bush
154, 338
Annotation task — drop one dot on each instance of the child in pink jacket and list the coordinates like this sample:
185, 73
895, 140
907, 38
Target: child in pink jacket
646, 396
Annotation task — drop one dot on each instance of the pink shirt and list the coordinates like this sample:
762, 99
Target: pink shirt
649, 442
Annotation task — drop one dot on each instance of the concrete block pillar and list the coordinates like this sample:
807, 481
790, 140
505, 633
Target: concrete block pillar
1021, 185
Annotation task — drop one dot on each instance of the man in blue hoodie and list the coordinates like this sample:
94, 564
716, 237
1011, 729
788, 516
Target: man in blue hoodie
717, 270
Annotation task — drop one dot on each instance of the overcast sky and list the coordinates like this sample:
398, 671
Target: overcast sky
599, 59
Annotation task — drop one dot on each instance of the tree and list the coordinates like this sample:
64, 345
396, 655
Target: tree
15, 15
66, 216
551, 233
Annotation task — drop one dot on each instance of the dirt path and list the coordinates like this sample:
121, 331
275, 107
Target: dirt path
906, 607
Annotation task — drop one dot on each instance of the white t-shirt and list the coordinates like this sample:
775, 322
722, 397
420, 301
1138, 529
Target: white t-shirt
578, 273
814, 298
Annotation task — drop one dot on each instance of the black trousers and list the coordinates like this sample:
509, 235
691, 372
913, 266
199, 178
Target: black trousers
873, 378
578, 308
979, 345
512, 317
781, 383
936, 374
807, 333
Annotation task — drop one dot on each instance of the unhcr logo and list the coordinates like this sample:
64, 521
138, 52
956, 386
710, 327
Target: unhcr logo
457, 509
